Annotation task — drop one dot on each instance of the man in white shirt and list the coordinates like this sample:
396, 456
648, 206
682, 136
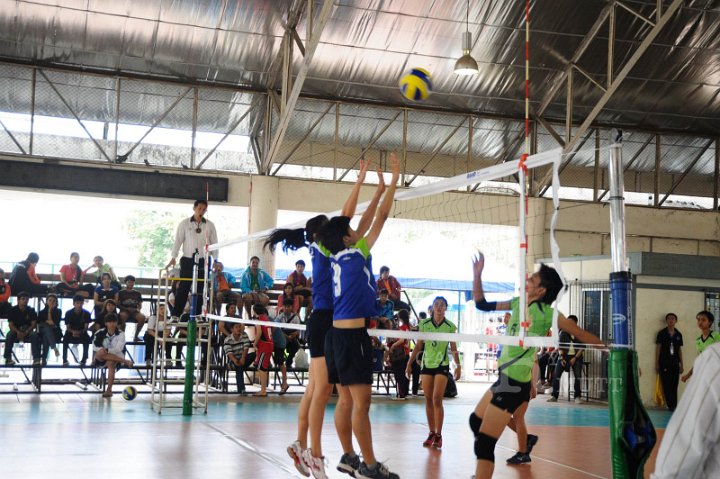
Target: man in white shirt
192, 235
691, 445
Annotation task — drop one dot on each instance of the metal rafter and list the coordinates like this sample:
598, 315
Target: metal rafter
436, 152
12, 137
302, 140
630, 163
687, 171
289, 107
370, 145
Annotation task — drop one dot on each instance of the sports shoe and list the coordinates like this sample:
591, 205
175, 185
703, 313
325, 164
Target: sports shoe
532, 439
437, 442
37, 362
9, 362
519, 458
66, 363
552, 399
398, 398
316, 465
428, 442
295, 451
348, 464
578, 400
379, 471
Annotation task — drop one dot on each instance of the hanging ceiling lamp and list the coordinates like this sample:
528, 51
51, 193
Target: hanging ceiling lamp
466, 64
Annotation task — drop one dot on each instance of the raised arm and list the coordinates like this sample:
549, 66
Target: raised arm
366, 219
384, 211
481, 303
350, 204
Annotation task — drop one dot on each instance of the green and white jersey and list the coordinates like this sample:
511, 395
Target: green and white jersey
540, 323
701, 343
435, 353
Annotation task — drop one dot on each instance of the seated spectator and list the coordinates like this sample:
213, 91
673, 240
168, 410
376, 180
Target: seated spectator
263, 344
130, 302
101, 267
301, 285
392, 285
109, 307
109, 347
23, 277
222, 286
383, 306
49, 327
237, 349
288, 296
71, 278
254, 285
285, 340
103, 292
225, 327
157, 328
22, 321
5, 292
76, 329
398, 354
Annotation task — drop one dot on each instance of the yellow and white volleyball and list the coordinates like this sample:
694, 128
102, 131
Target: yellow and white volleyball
416, 85
129, 393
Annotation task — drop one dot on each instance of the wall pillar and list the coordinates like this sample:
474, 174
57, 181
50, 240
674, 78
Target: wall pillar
263, 212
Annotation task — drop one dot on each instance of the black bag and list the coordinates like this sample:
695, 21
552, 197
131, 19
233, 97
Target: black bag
451, 387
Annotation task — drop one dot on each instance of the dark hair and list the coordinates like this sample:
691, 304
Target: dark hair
74, 253
129, 278
109, 301
384, 269
708, 315
383, 291
441, 297
23, 294
227, 307
422, 315
51, 295
200, 202
254, 257
296, 238
671, 314
550, 280
259, 309
33, 258
573, 317
331, 235
404, 314
104, 275
78, 297
111, 317
299, 262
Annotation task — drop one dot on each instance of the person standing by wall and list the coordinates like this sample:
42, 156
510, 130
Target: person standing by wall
668, 359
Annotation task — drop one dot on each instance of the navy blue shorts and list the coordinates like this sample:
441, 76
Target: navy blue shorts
318, 325
349, 356
509, 394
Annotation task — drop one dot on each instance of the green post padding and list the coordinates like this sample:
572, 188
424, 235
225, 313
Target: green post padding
632, 436
189, 368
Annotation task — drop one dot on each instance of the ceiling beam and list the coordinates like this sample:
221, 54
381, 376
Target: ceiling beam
687, 171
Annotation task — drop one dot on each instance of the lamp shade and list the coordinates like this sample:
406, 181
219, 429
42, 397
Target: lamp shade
466, 65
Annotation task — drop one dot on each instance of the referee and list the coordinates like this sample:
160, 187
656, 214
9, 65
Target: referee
192, 235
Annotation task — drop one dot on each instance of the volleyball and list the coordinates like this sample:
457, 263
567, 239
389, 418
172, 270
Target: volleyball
416, 85
129, 393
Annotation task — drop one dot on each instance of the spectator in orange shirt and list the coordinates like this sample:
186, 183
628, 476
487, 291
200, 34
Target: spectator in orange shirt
392, 285
222, 286
302, 287
5, 293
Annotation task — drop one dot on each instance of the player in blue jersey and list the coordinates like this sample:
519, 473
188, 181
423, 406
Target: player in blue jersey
348, 350
312, 406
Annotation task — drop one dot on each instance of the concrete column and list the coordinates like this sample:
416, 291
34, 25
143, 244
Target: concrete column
264, 196
538, 242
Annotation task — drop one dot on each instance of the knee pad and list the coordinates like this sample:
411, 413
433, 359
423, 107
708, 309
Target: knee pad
485, 447
475, 423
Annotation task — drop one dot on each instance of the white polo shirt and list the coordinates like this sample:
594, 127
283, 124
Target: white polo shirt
190, 239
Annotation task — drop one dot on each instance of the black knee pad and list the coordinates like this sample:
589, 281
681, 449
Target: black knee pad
485, 447
475, 423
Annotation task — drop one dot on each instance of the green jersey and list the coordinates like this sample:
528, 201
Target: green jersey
701, 343
435, 353
540, 323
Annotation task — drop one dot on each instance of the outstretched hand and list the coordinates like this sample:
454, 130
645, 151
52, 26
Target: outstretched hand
478, 262
364, 165
394, 167
381, 179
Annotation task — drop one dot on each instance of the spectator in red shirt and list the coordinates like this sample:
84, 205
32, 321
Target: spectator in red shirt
71, 277
5, 293
392, 285
302, 286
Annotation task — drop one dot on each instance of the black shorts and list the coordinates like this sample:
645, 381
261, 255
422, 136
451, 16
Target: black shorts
349, 356
442, 370
279, 357
509, 394
318, 325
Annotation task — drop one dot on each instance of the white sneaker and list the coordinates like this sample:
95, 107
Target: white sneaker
578, 400
295, 451
315, 464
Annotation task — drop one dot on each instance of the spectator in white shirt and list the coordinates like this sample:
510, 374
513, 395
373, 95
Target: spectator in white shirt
109, 346
192, 235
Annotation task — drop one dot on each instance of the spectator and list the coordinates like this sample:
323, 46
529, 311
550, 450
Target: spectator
302, 287
71, 278
222, 286
108, 307
570, 357
103, 292
23, 277
22, 321
384, 306
225, 327
76, 329
422, 316
668, 359
392, 285
101, 267
287, 341
5, 293
288, 296
237, 349
109, 347
49, 327
192, 234
263, 344
706, 338
157, 328
254, 285
130, 302
398, 353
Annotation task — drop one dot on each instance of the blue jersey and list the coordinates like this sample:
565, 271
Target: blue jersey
354, 284
321, 277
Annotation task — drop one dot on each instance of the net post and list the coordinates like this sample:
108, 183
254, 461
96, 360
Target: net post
191, 340
632, 436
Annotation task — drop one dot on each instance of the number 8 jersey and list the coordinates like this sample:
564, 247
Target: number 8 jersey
354, 287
